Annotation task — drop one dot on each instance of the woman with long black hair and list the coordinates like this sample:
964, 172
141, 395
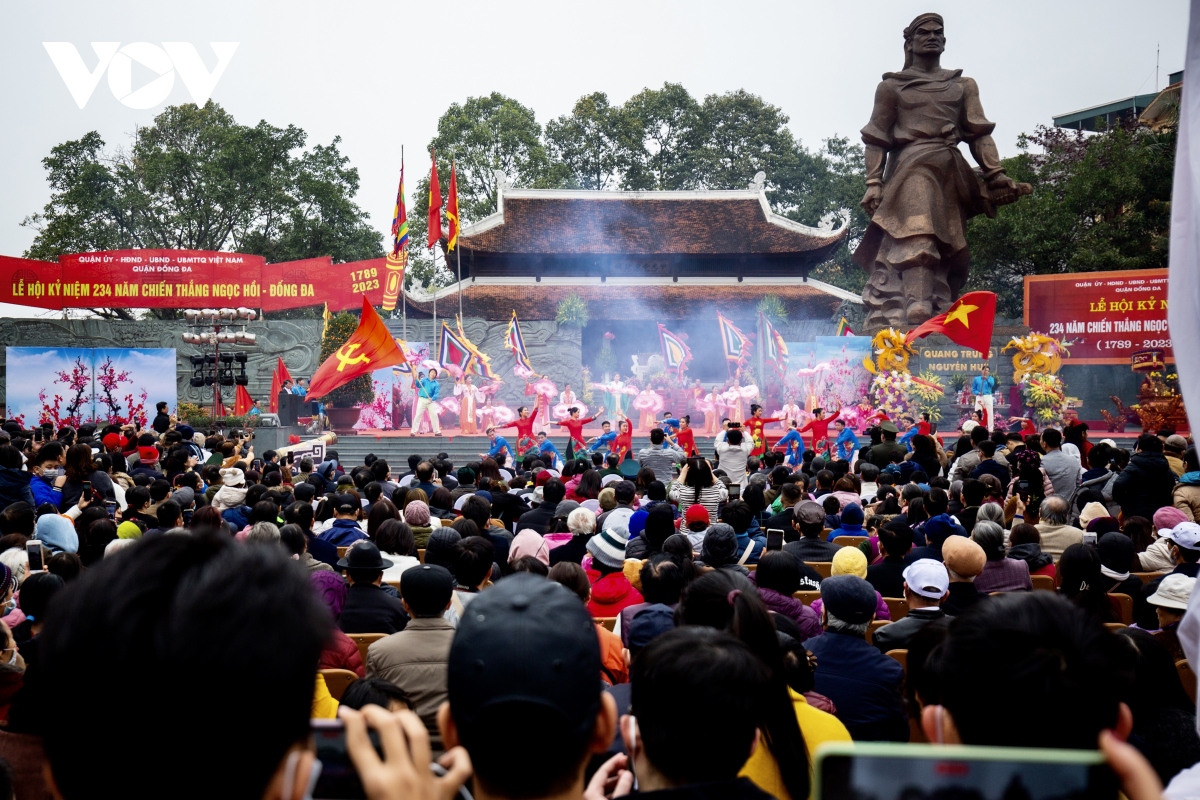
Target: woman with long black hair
696, 484
791, 729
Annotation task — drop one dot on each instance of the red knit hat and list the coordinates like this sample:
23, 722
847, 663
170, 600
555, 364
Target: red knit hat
148, 455
696, 513
113, 441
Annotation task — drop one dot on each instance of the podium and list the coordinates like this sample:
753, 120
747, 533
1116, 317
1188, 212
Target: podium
290, 407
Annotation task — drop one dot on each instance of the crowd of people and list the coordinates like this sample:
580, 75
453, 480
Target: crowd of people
693, 629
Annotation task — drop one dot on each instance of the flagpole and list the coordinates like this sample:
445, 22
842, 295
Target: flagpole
433, 285
404, 275
458, 258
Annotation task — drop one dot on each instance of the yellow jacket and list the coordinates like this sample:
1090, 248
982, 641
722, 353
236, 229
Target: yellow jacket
817, 727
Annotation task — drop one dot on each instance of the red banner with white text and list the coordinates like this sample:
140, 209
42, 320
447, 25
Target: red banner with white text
187, 279
1105, 316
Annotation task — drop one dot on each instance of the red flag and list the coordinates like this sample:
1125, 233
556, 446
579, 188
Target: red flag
452, 210
967, 322
221, 406
282, 369
241, 401
276, 385
370, 348
435, 205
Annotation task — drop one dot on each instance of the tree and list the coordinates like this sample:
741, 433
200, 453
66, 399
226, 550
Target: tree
1100, 202
593, 143
198, 180
672, 130
834, 198
482, 135
359, 390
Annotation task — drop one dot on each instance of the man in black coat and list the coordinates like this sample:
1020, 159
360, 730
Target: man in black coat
553, 492
1146, 483
369, 609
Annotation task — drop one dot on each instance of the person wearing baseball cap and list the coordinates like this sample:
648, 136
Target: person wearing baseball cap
414, 659
964, 560
1173, 449
1184, 540
345, 529
862, 682
523, 669
808, 519
926, 584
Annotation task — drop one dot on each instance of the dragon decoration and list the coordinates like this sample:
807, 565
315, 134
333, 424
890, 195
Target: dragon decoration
1036, 362
895, 390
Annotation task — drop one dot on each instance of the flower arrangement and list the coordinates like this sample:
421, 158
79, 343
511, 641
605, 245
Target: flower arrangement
377, 413
890, 392
1046, 395
925, 395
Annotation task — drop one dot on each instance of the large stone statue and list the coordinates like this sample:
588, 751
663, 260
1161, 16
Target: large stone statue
920, 189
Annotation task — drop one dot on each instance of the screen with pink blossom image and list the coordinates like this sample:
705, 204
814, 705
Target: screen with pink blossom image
73, 385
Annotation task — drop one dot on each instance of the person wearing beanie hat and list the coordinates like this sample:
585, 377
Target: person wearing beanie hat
232, 493
851, 520
417, 513
415, 658
184, 497
528, 543
57, 533
862, 682
964, 560
937, 530
1157, 557
1091, 511
1170, 603
440, 549
851, 561
129, 530
1173, 449
1183, 543
611, 590
719, 548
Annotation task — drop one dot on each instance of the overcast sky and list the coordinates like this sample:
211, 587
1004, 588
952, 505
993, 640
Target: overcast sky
379, 74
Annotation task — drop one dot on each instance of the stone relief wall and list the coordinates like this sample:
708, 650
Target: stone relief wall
553, 350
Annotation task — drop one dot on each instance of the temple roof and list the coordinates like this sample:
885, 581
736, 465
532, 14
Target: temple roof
697, 223
660, 298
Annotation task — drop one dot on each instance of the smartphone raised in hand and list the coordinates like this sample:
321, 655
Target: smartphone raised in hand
887, 771
774, 538
37, 555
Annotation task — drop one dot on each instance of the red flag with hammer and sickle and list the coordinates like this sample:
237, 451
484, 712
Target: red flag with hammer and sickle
370, 348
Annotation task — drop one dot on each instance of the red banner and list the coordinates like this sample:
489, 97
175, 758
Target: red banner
187, 279
1105, 316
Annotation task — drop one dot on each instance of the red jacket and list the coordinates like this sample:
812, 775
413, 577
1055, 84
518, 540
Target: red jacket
342, 653
610, 594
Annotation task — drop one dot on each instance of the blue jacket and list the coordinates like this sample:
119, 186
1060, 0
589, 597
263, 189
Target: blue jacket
795, 444
343, 533
501, 446
978, 387
846, 444
322, 550
907, 437
863, 683
237, 517
44, 491
547, 447
604, 439
758, 542
429, 388
14, 488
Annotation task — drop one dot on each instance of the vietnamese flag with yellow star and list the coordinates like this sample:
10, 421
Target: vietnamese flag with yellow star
968, 322
371, 347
